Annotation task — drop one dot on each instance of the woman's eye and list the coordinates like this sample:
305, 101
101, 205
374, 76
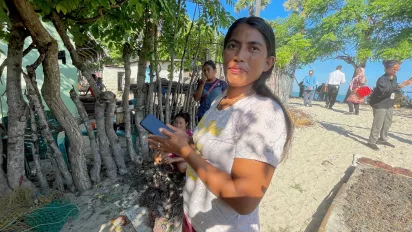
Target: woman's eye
255, 49
231, 46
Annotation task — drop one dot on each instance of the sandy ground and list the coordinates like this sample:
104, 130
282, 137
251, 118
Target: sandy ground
304, 185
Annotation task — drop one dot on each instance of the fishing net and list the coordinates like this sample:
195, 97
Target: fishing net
23, 211
300, 118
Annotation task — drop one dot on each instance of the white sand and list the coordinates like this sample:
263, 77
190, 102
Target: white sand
299, 195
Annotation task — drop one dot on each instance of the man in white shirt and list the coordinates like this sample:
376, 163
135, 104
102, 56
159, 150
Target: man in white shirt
336, 78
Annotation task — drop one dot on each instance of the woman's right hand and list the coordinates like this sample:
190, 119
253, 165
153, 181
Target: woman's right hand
204, 77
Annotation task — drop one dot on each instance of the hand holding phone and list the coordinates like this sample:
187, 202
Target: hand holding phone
153, 125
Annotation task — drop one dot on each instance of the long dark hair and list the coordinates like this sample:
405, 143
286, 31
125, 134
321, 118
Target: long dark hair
185, 116
260, 85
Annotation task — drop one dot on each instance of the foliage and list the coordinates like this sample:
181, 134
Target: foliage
4, 23
250, 5
357, 31
291, 42
394, 36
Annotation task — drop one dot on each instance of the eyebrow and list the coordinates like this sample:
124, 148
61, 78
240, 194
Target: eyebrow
250, 42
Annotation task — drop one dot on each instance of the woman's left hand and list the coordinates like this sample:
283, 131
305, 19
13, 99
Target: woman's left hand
174, 143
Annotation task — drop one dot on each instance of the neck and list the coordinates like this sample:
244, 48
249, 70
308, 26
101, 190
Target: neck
233, 92
211, 80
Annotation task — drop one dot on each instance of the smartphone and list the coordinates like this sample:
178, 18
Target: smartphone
152, 125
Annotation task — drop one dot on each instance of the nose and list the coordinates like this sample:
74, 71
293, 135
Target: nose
241, 54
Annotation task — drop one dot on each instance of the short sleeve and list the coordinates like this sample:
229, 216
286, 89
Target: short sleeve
262, 134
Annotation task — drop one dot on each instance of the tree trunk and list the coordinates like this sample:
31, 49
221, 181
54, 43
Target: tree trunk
4, 185
169, 88
77, 62
150, 97
18, 109
127, 51
104, 145
141, 91
179, 83
35, 150
46, 44
280, 83
97, 161
159, 81
58, 179
33, 96
112, 136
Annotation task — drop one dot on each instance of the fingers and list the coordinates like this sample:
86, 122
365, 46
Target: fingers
173, 128
155, 143
166, 132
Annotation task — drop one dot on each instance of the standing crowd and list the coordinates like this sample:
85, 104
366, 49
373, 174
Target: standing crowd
382, 98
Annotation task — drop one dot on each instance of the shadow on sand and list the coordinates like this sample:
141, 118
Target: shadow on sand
342, 131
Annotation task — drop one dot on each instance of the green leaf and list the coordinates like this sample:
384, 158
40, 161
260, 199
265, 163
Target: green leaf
139, 9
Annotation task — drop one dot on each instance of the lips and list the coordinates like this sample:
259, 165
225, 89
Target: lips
236, 69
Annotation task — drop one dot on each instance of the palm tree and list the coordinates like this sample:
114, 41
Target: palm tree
250, 5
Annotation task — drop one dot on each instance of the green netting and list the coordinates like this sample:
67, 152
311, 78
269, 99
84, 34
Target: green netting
52, 217
22, 210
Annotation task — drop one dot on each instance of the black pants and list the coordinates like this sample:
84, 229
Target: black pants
353, 105
333, 91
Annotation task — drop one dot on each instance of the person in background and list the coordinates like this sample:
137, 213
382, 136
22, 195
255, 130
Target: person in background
239, 142
301, 89
336, 78
181, 121
321, 92
100, 84
382, 101
309, 83
90, 88
354, 99
209, 87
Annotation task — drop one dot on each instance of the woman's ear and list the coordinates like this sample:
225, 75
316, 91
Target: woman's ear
270, 61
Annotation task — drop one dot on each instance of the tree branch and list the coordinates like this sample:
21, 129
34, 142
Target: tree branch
29, 48
76, 60
2, 66
347, 59
101, 13
32, 68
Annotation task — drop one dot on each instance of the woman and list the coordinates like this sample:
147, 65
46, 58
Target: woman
354, 99
209, 87
382, 101
181, 121
239, 141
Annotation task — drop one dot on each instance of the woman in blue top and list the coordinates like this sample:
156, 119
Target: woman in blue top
209, 87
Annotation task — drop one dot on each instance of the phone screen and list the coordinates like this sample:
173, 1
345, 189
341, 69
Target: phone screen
152, 125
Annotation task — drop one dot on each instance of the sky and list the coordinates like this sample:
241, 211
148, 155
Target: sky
321, 69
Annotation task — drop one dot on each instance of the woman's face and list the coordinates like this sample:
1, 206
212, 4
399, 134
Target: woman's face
209, 72
393, 70
245, 56
358, 71
180, 123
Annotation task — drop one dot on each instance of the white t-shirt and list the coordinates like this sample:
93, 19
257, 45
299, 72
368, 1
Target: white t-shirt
336, 77
253, 128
